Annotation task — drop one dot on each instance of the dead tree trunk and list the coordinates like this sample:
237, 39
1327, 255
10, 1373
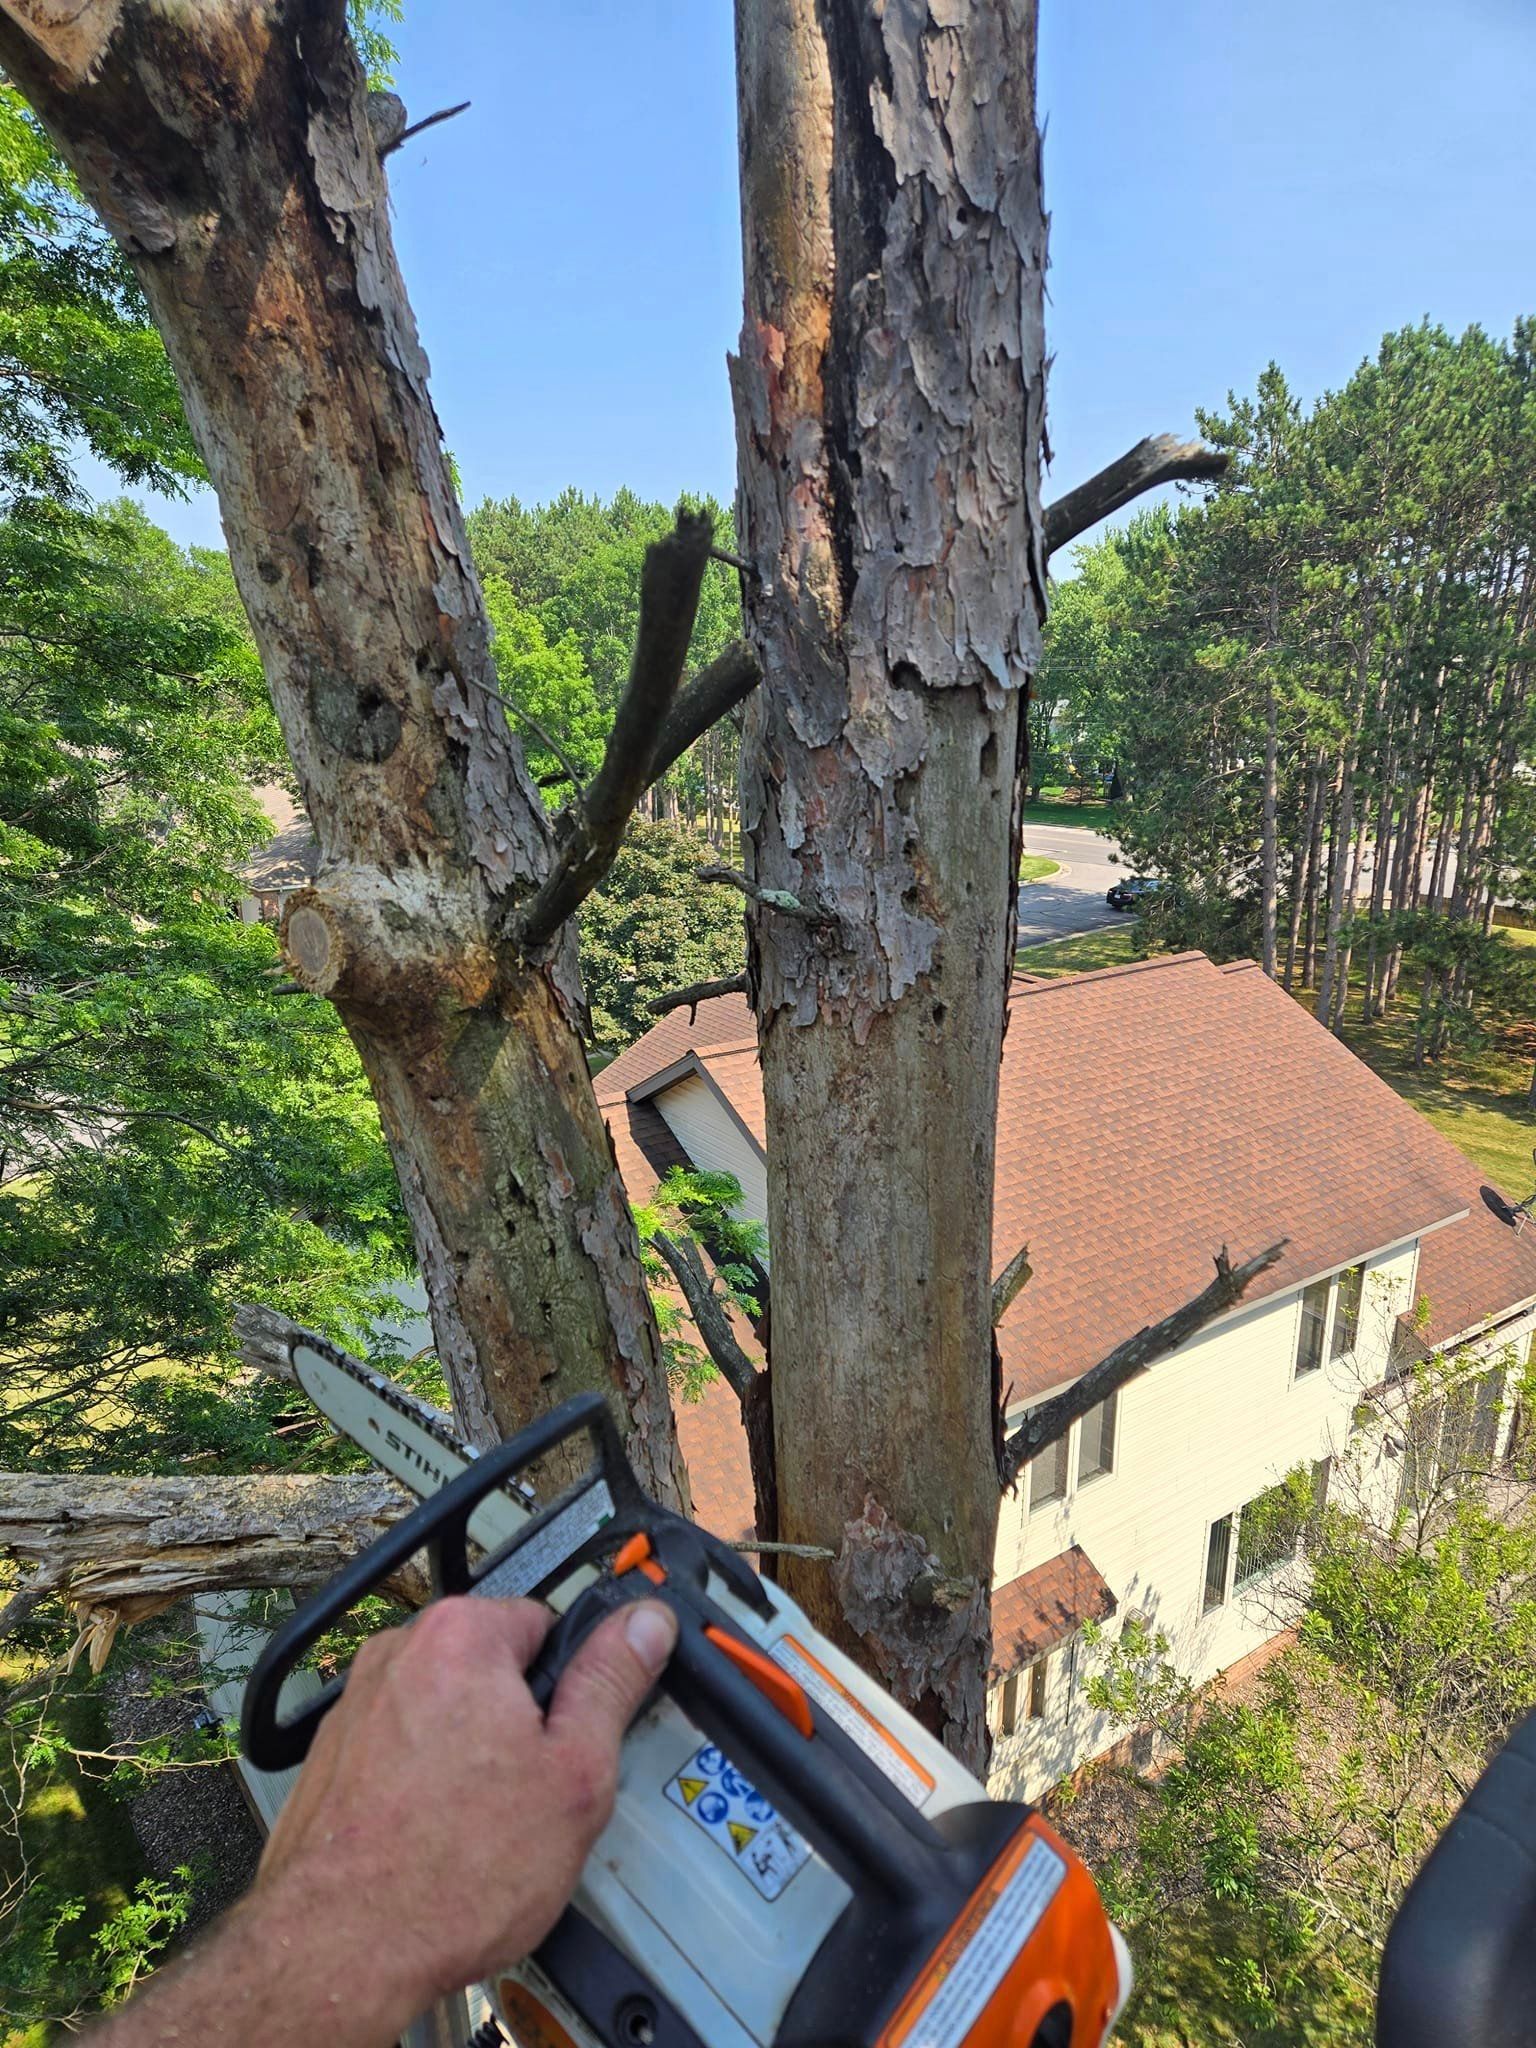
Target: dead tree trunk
229, 149
889, 401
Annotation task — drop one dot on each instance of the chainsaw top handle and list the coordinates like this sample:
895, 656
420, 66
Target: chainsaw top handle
741, 1698
609, 1497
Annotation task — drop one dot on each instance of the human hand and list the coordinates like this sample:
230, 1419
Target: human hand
440, 1822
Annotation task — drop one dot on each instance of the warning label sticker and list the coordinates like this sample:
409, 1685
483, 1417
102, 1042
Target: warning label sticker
739, 1820
980, 1951
855, 1720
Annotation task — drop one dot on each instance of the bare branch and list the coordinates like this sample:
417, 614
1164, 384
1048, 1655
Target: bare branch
1158, 460
772, 899
1010, 1284
120, 1550
1043, 1425
591, 831
737, 562
708, 1311
698, 992
427, 121
811, 1550
716, 689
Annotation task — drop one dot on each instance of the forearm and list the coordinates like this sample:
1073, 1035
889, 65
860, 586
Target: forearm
267, 1976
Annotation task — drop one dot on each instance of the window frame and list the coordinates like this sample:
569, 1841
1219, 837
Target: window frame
1351, 1279
1037, 1700
1323, 1324
1008, 1707
1107, 1414
1061, 1453
1209, 1601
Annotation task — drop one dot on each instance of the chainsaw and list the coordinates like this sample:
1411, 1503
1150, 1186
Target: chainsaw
792, 1858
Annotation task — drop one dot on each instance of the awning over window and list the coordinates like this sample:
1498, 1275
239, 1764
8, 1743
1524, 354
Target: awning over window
1034, 1613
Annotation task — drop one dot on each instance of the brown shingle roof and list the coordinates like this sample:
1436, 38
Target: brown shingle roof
1478, 1270
1032, 1614
1147, 1115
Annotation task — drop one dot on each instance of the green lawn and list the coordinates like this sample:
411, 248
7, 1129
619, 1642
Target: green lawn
1476, 1099
1108, 948
1034, 867
1057, 809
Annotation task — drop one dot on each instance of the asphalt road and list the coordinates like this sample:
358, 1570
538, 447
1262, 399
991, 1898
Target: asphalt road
1071, 900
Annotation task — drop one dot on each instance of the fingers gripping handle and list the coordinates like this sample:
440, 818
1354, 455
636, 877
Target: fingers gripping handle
440, 1528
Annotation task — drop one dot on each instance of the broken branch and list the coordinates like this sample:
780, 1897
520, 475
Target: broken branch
1158, 460
698, 992
717, 688
1010, 1283
591, 830
119, 1550
708, 1311
427, 121
1043, 1425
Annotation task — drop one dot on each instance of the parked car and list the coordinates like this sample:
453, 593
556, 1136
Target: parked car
1132, 892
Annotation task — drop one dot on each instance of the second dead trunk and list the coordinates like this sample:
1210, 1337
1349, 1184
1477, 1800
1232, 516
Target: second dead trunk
889, 401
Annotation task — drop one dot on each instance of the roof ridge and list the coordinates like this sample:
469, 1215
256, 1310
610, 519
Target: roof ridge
1040, 985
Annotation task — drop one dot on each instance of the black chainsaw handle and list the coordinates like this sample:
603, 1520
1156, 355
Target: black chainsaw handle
440, 1527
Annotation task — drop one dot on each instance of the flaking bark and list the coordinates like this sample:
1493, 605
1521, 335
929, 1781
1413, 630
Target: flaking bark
889, 400
229, 148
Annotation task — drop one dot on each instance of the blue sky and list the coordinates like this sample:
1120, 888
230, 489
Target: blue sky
1228, 180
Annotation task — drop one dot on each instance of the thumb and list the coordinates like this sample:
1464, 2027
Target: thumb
611, 1674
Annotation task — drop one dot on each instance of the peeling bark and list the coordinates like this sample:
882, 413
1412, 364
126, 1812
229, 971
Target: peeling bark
230, 150
119, 1550
889, 400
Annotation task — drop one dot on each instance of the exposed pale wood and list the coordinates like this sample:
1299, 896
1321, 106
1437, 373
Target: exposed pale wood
229, 147
1161, 459
1043, 1425
119, 1550
889, 396
1010, 1284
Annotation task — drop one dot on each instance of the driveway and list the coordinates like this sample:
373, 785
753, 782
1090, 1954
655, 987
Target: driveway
1073, 899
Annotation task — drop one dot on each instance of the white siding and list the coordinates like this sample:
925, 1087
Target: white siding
715, 1141
1198, 1435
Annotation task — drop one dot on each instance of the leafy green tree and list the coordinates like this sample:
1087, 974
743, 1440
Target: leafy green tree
176, 1135
702, 1206
651, 926
548, 690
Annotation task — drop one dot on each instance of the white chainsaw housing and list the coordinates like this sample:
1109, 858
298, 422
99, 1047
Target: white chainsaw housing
679, 1898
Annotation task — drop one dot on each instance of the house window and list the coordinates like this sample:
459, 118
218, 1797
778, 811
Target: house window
1096, 1441
1218, 1552
1008, 1710
1314, 1326
1346, 1313
1039, 1679
1048, 1474
1269, 1529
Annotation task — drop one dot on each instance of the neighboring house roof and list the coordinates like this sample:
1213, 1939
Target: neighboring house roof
1032, 1614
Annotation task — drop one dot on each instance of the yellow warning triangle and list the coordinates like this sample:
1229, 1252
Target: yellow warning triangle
691, 1788
741, 1834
